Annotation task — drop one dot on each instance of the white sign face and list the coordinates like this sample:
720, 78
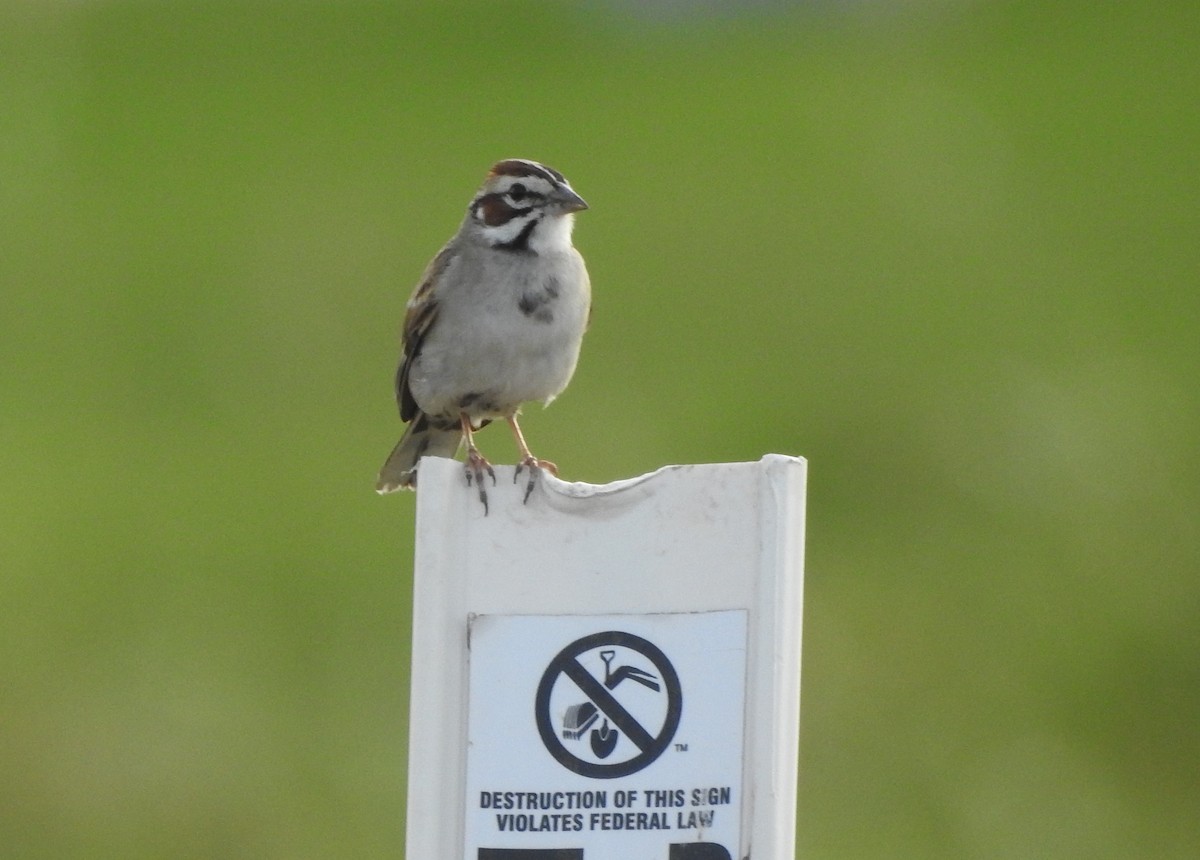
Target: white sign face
606, 737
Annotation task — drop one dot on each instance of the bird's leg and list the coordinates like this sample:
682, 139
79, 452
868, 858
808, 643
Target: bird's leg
476, 463
527, 459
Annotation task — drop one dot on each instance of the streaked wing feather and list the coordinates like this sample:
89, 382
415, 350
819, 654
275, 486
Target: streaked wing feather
419, 318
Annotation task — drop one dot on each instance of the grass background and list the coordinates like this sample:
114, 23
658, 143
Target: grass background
947, 251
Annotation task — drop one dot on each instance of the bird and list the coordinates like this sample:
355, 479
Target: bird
496, 321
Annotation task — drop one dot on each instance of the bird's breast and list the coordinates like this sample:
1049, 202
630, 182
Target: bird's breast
515, 339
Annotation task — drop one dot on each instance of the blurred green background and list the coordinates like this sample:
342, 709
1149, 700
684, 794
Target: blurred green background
947, 251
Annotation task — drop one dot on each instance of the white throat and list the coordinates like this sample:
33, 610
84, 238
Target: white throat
553, 235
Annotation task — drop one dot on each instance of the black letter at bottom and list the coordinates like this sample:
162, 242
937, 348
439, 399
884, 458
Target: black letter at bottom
698, 851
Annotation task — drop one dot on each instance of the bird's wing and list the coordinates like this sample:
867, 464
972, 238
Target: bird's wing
419, 318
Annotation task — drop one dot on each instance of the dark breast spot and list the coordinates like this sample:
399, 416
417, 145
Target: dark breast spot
536, 306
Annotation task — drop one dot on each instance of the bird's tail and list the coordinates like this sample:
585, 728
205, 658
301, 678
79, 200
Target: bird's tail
421, 439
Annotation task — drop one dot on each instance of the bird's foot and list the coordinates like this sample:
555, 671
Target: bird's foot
534, 465
476, 466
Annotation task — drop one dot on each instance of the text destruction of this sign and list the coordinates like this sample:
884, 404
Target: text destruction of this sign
593, 737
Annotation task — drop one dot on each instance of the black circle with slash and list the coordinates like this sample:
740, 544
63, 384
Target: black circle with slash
602, 705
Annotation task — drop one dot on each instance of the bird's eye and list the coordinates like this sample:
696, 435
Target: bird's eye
517, 192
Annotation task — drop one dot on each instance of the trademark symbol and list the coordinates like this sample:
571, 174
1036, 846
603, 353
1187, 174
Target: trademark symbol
680, 747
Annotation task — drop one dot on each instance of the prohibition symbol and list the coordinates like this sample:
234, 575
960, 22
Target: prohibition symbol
608, 705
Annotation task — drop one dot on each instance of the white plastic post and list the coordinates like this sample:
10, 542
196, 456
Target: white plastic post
607, 672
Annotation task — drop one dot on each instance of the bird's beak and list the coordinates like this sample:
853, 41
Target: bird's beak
568, 200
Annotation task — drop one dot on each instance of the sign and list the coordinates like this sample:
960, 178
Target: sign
621, 733
607, 672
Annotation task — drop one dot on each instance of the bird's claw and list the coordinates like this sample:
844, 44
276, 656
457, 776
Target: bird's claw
534, 465
476, 466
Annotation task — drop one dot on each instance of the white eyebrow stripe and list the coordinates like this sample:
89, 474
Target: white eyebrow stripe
532, 183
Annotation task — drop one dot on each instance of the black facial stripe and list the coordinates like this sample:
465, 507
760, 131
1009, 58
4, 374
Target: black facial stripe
533, 187
518, 167
521, 242
548, 173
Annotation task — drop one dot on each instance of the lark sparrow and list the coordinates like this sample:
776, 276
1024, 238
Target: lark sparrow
496, 320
